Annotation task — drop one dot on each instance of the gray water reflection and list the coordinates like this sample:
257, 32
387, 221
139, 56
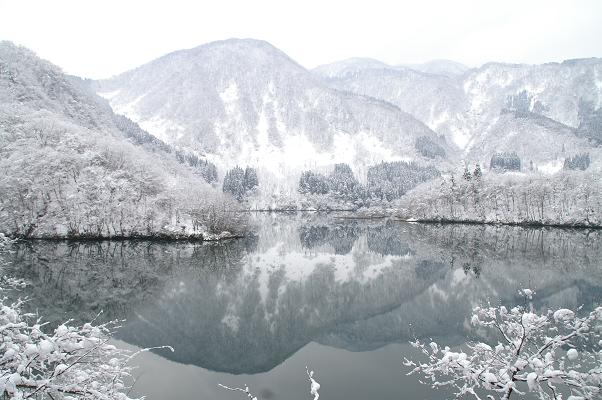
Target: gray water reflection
247, 306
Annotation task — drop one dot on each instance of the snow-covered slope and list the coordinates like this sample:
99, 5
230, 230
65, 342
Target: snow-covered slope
433, 99
349, 67
242, 101
440, 67
474, 109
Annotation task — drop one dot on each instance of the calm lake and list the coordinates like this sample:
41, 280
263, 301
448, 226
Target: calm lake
340, 296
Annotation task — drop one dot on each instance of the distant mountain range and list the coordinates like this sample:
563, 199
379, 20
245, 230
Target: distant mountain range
531, 109
242, 101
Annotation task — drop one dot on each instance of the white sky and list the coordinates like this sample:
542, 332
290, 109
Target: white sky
98, 39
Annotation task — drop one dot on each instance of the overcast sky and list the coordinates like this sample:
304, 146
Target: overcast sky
101, 38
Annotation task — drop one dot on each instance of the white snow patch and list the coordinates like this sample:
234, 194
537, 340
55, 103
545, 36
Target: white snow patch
458, 276
163, 129
532, 381
460, 137
563, 315
230, 94
551, 167
297, 152
231, 321
109, 95
598, 81
128, 109
437, 120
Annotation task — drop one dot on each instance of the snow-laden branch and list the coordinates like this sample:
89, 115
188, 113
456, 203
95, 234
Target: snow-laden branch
314, 386
553, 354
237, 389
71, 362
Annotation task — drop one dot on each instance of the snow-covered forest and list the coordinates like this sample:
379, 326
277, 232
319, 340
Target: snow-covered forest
566, 198
72, 168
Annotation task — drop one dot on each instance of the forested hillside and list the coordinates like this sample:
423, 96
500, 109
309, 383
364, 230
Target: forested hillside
70, 167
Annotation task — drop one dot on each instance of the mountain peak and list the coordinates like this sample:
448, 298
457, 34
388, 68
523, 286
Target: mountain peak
239, 42
248, 48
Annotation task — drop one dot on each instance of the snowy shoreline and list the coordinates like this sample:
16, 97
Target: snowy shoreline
526, 224
151, 238
357, 214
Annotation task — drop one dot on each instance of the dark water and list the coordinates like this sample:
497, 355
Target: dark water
341, 296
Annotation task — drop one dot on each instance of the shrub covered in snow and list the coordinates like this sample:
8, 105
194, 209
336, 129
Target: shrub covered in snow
556, 355
68, 362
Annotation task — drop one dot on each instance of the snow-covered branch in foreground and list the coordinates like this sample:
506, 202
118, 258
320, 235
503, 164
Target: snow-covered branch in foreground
314, 387
72, 362
237, 389
554, 355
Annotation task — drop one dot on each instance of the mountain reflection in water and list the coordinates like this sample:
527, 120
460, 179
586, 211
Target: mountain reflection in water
245, 306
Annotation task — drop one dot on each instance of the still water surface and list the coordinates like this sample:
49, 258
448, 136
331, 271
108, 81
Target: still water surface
341, 296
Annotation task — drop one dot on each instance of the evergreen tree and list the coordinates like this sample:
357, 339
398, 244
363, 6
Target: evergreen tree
578, 161
391, 180
466, 175
520, 104
428, 148
208, 171
342, 181
234, 183
250, 179
590, 121
477, 174
505, 162
313, 183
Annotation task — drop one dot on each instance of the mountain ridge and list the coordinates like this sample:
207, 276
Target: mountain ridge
235, 99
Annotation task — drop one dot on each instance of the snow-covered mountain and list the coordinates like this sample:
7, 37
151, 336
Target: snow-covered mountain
489, 108
433, 99
242, 101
